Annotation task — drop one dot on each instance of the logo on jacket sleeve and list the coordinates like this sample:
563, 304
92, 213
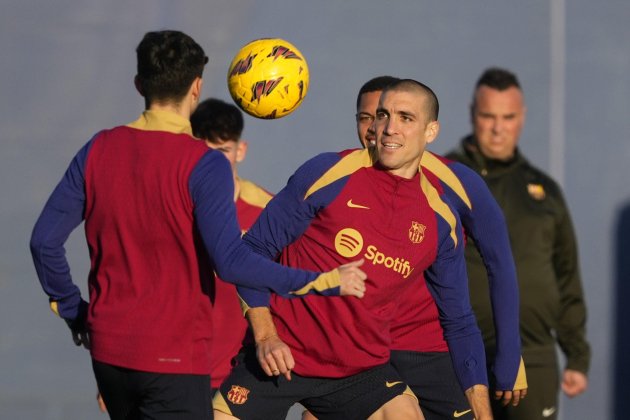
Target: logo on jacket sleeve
416, 232
238, 394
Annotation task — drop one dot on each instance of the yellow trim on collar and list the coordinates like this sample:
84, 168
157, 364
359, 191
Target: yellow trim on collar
157, 120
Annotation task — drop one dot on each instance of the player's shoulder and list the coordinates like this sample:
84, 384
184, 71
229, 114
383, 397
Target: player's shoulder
253, 193
326, 169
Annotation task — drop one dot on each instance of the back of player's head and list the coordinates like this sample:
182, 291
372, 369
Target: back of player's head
411, 85
217, 121
376, 84
168, 63
498, 78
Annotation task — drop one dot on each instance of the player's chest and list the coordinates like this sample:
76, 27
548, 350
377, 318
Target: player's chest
386, 220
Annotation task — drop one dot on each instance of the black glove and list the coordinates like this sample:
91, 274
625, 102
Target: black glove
78, 326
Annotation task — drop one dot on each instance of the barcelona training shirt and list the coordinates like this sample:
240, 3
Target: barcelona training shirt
340, 207
159, 219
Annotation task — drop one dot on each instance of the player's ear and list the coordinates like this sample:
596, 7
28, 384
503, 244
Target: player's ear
431, 131
241, 150
197, 84
138, 85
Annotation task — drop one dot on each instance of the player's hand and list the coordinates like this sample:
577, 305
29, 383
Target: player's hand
510, 397
352, 279
80, 335
101, 403
574, 382
275, 357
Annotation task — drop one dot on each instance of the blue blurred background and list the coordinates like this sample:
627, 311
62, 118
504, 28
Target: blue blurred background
66, 71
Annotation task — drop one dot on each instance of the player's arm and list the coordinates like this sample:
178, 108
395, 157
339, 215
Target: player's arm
212, 191
273, 354
448, 284
62, 213
484, 222
571, 330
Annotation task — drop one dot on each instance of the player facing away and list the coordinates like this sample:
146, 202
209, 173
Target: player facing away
159, 220
221, 124
419, 352
338, 207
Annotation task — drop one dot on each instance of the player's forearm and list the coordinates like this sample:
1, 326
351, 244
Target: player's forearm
261, 323
479, 401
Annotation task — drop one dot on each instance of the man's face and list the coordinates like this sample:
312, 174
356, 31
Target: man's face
366, 112
497, 119
403, 131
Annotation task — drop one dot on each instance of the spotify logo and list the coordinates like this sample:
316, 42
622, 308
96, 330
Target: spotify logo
348, 242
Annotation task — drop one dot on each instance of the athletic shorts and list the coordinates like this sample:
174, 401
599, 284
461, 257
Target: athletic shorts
132, 395
248, 393
432, 379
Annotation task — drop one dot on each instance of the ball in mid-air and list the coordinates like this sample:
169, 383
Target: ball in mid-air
268, 78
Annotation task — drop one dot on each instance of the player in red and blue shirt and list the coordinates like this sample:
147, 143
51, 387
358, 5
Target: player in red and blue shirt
159, 220
340, 207
419, 351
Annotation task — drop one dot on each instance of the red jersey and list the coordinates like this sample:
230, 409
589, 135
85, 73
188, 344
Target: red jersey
341, 207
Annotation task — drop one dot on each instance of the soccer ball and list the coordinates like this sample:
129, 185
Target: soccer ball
268, 78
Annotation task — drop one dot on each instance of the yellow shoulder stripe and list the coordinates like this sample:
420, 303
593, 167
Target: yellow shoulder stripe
346, 166
446, 175
439, 206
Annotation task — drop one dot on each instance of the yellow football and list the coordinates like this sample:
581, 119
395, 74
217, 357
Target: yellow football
268, 78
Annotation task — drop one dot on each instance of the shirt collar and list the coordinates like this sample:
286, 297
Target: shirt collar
157, 120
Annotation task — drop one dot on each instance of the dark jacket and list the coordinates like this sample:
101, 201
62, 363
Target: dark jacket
545, 253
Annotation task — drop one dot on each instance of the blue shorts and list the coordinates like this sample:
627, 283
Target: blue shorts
248, 393
432, 379
131, 394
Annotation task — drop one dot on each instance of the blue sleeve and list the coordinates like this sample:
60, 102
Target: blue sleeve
448, 283
485, 224
62, 213
212, 189
287, 216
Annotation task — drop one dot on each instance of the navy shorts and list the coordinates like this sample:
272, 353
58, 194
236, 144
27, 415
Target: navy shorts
432, 379
131, 394
248, 393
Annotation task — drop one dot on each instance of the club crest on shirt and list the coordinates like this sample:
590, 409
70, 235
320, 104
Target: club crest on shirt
536, 191
416, 232
238, 394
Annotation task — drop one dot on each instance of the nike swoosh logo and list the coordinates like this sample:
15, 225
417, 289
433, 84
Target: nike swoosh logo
391, 384
356, 206
458, 414
548, 411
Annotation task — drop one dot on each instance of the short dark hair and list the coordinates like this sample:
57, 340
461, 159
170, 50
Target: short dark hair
498, 78
168, 63
217, 121
433, 105
376, 84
